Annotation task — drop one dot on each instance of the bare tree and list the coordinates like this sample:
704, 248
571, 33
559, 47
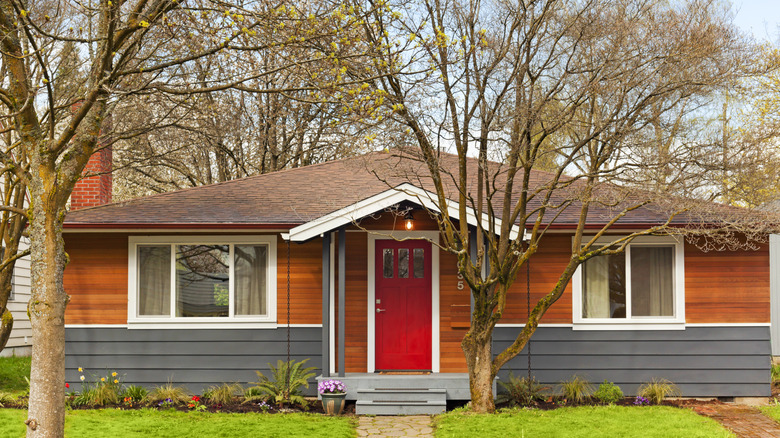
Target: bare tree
66, 65
598, 93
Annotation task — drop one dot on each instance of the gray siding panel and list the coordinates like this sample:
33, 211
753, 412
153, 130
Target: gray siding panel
702, 361
196, 359
774, 291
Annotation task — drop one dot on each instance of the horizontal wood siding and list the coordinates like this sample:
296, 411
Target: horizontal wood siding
21, 337
706, 362
454, 313
195, 359
546, 267
726, 286
356, 322
96, 278
305, 282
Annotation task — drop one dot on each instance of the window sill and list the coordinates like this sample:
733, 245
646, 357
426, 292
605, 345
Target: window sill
628, 326
168, 324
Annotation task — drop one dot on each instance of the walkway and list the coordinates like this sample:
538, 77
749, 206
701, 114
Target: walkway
744, 421
394, 426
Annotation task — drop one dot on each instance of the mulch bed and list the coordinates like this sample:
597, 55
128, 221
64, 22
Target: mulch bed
555, 403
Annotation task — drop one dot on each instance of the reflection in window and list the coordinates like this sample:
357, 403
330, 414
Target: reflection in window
604, 284
387, 263
419, 263
403, 263
202, 280
652, 285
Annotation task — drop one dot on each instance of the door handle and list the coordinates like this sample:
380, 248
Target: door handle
380, 310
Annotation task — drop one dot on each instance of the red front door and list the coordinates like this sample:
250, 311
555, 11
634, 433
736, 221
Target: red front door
403, 305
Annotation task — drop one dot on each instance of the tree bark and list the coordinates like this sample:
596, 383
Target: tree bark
46, 416
6, 325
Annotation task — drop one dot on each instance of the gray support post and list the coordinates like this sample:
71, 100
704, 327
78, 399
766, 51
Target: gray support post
326, 305
342, 298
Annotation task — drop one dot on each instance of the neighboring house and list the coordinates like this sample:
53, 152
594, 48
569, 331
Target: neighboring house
191, 287
20, 342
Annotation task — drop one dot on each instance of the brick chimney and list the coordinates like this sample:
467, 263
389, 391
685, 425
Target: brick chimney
96, 189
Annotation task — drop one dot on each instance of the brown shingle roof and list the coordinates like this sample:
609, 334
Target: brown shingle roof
291, 197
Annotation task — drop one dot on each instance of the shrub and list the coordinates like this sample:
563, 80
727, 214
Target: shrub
522, 390
657, 390
6, 398
168, 393
576, 390
223, 394
608, 393
277, 387
105, 390
135, 393
776, 373
254, 395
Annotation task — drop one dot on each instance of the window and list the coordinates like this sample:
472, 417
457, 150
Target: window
202, 280
645, 284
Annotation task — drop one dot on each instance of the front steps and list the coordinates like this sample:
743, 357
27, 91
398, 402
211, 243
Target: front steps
401, 401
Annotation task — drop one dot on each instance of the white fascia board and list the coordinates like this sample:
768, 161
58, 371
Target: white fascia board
380, 201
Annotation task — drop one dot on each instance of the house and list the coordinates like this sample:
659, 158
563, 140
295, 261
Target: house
193, 287
20, 342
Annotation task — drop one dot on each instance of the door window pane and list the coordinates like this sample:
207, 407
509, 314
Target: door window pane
419, 263
250, 264
604, 287
202, 280
154, 280
387, 263
652, 285
403, 263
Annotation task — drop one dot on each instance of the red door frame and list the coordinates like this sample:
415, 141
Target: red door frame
402, 308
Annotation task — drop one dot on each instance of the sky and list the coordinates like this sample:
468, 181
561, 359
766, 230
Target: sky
761, 17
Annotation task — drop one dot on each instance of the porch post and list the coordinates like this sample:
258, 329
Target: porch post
326, 305
342, 298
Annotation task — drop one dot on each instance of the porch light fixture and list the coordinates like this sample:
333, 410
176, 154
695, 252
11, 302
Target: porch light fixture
409, 221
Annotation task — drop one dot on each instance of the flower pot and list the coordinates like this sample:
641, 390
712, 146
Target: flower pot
333, 404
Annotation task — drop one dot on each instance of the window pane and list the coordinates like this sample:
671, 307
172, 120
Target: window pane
251, 262
419, 263
387, 263
604, 287
202, 280
154, 280
403, 263
652, 282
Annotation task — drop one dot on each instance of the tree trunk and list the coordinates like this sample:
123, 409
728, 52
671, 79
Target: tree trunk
6, 325
46, 416
479, 358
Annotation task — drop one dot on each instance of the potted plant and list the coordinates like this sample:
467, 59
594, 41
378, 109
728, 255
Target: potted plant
333, 393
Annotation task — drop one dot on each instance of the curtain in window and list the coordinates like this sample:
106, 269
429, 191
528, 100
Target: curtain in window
154, 280
652, 283
250, 266
596, 283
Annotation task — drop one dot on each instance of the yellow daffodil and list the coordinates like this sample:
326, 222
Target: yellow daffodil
116, 381
81, 370
113, 374
102, 379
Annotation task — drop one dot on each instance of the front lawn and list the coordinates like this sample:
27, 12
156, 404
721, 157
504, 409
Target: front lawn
152, 423
586, 421
13, 370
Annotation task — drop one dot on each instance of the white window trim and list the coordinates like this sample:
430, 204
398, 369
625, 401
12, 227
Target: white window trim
233, 321
676, 322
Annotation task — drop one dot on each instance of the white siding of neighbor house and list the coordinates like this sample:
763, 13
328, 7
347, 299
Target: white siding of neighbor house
20, 342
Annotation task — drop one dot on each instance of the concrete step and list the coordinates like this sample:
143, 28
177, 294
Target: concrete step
402, 394
368, 407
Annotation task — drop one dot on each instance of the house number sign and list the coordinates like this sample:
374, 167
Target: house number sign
460, 282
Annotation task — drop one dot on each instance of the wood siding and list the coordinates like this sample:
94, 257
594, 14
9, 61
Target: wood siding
726, 286
96, 280
21, 337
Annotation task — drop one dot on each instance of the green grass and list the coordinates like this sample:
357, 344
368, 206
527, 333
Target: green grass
168, 424
772, 411
588, 421
13, 370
